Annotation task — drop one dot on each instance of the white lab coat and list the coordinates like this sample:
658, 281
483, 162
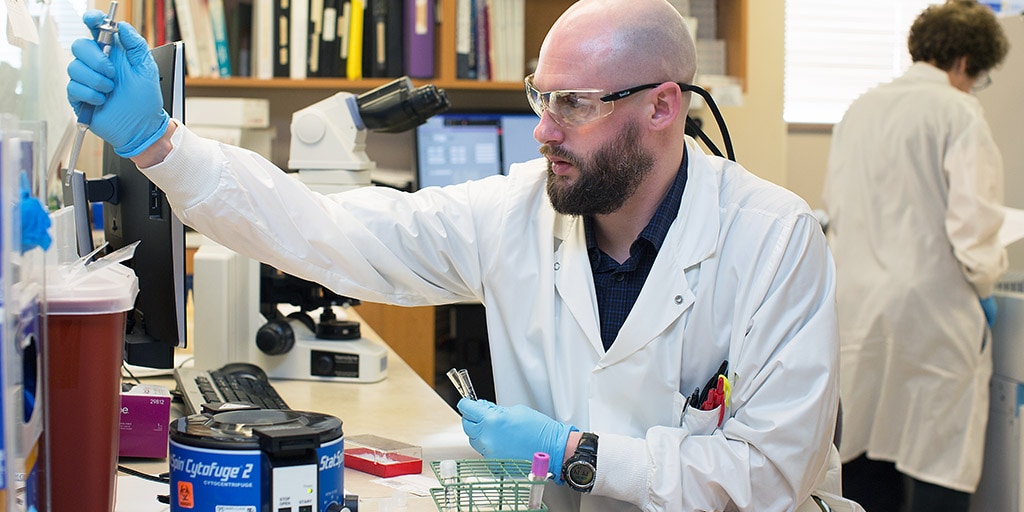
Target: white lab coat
744, 274
913, 193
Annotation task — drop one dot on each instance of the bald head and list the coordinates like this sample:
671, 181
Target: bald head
619, 43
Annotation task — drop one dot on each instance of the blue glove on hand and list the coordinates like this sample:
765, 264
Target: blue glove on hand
124, 86
515, 432
988, 304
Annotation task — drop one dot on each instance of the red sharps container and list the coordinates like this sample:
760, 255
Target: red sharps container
86, 315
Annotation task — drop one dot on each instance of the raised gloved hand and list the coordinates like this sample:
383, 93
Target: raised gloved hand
515, 432
988, 304
124, 86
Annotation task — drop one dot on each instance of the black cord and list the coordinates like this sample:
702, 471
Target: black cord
162, 478
695, 128
730, 154
127, 370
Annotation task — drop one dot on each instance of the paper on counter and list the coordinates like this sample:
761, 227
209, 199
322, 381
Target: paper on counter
136, 494
1013, 226
417, 485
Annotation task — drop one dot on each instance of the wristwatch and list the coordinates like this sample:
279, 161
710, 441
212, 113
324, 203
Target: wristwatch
580, 471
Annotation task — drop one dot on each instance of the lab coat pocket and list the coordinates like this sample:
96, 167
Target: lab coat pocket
702, 423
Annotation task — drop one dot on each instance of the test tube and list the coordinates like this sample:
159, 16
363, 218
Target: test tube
449, 469
453, 374
467, 384
538, 472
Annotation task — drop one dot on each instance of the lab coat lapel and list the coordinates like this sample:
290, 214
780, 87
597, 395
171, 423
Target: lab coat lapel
691, 239
574, 280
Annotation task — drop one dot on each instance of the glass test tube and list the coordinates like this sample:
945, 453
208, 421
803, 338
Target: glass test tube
453, 374
467, 384
460, 379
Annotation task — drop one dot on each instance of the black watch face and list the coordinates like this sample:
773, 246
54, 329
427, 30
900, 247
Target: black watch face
580, 474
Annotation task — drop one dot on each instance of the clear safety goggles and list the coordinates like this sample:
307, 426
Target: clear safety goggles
578, 106
982, 82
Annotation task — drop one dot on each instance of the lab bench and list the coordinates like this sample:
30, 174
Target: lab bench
401, 407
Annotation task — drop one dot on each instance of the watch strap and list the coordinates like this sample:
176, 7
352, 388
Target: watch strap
585, 454
588, 444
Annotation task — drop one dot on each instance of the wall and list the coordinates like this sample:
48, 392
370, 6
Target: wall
758, 132
807, 161
794, 157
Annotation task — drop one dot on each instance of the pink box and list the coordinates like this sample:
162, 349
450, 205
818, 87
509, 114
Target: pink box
145, 412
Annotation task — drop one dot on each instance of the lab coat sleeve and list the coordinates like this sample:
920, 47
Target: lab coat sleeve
974, 168
373, 243
773, 446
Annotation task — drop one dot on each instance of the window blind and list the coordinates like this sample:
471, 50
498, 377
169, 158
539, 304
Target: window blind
835, 50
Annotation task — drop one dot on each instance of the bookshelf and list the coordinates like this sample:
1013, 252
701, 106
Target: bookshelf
540, 15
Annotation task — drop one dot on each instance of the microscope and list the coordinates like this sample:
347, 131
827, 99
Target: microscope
246, 311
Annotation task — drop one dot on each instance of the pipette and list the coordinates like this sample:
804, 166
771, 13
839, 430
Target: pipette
105, 38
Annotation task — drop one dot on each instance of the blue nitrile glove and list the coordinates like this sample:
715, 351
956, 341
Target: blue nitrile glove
988, 304
125, 87
515, 432
35, 221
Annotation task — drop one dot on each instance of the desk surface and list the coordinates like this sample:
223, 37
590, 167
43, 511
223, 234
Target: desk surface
400, 407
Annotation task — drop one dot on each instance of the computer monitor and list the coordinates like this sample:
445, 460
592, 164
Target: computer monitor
517, 142
157, 323
456, 147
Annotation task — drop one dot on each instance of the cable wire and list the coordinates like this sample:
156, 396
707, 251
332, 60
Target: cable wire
727, 140
163, 478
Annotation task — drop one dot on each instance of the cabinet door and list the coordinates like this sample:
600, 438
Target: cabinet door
407, 330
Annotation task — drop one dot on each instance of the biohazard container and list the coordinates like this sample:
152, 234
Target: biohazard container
86, 317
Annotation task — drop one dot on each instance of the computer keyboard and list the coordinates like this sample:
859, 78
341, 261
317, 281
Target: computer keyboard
234, 383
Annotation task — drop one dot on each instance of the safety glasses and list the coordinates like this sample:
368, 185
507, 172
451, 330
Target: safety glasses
982, 82
579, 106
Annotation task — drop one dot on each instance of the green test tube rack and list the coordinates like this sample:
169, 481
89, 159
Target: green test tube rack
482, 485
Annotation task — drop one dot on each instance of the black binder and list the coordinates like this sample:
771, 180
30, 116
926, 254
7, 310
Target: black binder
282, 36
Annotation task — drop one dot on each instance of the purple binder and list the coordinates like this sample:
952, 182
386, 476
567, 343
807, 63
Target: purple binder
419, 38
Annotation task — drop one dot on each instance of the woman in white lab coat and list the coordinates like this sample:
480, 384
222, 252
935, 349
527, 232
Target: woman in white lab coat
742, 274
914, 192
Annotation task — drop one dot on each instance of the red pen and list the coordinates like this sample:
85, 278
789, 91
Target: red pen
716, 398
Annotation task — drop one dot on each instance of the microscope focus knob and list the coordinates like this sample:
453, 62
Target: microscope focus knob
275, 337
323, 365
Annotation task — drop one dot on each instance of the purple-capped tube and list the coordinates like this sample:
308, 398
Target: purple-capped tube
538, 473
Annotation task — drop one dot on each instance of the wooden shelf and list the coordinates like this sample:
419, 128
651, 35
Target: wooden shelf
342, 84
732, 27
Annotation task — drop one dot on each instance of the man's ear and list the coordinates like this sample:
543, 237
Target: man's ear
668, 105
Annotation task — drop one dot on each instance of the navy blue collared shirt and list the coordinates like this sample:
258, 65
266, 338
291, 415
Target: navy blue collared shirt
619, 285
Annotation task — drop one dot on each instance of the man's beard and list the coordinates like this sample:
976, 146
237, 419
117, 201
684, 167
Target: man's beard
605, 181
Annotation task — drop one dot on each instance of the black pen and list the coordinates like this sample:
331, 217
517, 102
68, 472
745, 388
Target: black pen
695, 398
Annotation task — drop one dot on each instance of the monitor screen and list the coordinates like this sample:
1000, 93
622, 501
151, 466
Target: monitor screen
141, 213
456, 147
517, 142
